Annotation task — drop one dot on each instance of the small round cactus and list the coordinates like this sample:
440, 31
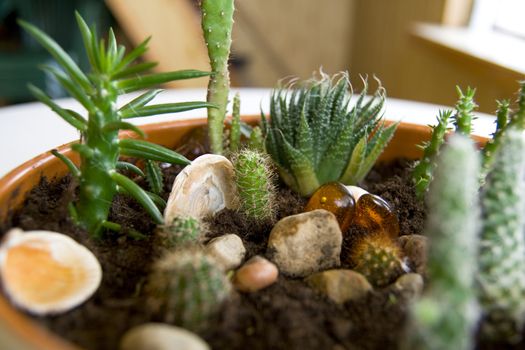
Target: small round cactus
181, 230
186, 287
378, 258
254, 183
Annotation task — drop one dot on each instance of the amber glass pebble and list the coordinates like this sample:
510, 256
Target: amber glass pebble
335, 198
373, 214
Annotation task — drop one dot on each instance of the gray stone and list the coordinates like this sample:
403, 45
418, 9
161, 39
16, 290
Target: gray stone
305, 243
256, 274
160, 336
228, 250
410, 285
340, 285
414, 247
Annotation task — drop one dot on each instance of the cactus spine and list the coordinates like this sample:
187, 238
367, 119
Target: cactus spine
378, 258
217, 23
502, 250
186, 287
182, 230
254, 183
445, 317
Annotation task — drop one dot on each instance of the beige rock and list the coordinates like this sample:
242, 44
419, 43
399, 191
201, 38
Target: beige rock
203, 188
256, 274
414, 247
228, 250
305, 243
410, 285
160, 336
340, 285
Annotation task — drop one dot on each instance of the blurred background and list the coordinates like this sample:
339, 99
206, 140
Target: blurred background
420, 50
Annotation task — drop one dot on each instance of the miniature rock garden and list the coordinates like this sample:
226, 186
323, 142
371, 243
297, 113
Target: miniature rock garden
283, 235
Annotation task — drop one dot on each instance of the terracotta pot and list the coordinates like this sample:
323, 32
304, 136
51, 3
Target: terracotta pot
18, 182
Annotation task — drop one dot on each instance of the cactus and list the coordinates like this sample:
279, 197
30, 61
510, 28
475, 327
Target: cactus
154, 176
446, 316
422, 172
314, 138
254, 177
112, 73
182, 230
464, 111
502, 249
217, 23
235, 132
378, 258
186, 287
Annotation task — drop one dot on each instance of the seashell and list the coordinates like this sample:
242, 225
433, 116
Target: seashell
203, 188
46, 272
356, 191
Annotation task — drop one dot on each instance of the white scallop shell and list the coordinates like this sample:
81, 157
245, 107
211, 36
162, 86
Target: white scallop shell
203, 188
47, 272
356, 191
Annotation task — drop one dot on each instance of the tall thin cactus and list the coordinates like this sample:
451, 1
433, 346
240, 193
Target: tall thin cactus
446, 316
217, 23
502, 249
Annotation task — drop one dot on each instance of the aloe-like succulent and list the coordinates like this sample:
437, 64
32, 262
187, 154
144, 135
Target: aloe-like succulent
113, 72
315, 137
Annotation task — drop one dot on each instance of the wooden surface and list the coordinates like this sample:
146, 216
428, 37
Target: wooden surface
176, 34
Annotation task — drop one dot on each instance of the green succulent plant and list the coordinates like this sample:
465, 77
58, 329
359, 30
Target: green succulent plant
186, 287
113, 72
181, 231
217, 23
315, 138
446, 316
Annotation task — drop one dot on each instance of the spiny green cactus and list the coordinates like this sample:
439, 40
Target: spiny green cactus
422, 172
378, 258
182, 230
112, 73
502, 248
254, 177
446, 315
464, 111
217, 23
314, 138
186, 287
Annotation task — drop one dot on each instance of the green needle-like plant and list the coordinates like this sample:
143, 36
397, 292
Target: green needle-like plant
112, 73
422, 172
315, 138
217, 23
502, 249
446, 316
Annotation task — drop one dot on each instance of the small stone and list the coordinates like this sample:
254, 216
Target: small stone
410, 285
228, 250
335, 198
414, 247
256, 274
160, 336
340, 285
305, 243
373, 213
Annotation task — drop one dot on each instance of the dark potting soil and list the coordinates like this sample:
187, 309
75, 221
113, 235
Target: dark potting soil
286, 315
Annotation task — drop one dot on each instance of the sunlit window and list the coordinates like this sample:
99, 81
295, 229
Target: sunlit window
505, 16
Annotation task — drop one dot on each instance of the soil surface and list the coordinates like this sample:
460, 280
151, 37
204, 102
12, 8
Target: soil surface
286, 315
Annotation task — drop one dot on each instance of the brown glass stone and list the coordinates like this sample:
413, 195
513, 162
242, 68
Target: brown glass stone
335, 198
374, 214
